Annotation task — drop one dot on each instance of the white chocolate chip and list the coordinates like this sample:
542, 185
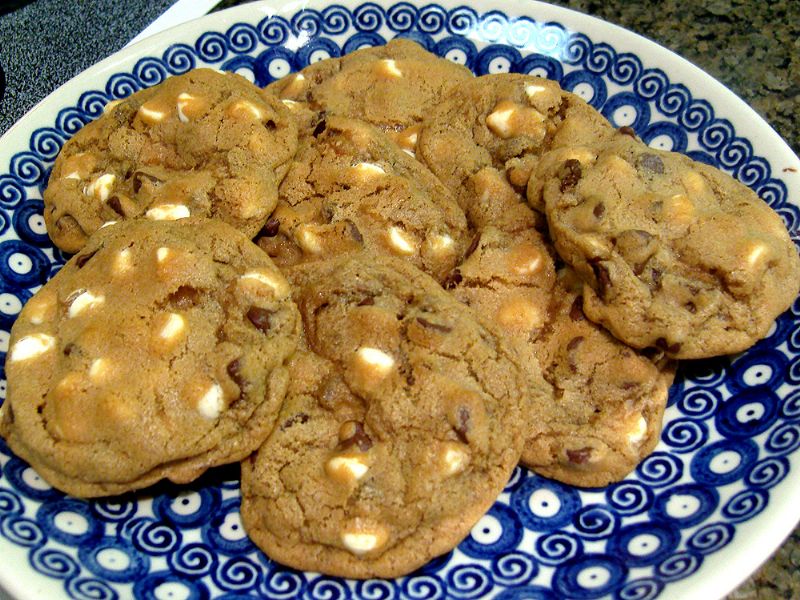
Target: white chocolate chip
150, 115
756, 253
172, 327
525, 259
73, 175
295, 86
636, 435
534, 89
400, 241
440, 243
168, 212
499, 122
244, 108
366, 169
276, 283
291, 104
212, 402
122, 262
519, 314
411, 153
308, 240
84, 301
39, 308
101, 187
362, 539
162, 254
108, 224
377, 361
509, 119
346, 468
31, 346
388, 67
110, 106
184, 100
454, 458
98, 369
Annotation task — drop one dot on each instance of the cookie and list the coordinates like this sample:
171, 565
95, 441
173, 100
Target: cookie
393, 86
351, 188
204, 144
402, 424
485, 140
675, 254
157, 352
604, 415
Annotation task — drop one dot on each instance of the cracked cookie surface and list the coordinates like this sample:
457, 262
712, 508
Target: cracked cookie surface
675, 254
351, 188
402, 424
203, 144
157, 352
604, 410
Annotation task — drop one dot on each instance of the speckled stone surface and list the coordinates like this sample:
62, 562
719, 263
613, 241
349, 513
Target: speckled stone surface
751, 46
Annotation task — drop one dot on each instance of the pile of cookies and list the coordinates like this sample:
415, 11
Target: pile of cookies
379, 283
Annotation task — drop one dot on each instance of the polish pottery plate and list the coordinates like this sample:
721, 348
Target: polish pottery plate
719, 494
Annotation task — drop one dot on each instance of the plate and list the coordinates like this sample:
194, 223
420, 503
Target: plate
717, 496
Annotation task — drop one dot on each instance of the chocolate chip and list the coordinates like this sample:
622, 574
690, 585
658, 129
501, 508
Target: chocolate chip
574, 343
352, 434
319, 128
663, 345
691, 307
270, 124
599, 210
462, 423
452, 280
82, 259
579, 456
260, 318
570, 174
655, 275
576, 310
139, 177
435, 326
629, 385
473, 245
651, 163
626, 130
368, 301
69, 349
234, 372
602, 276
674, 348
354, 232
301, 418
116, 205
271, 228
184, 297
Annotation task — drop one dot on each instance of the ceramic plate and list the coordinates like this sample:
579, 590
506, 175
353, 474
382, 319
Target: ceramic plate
717, 496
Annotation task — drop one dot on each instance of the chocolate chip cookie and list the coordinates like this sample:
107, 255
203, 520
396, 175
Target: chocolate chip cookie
486, 139
402, 423
157, 352
604, 414
675, 255
393, 86
350, 188
204, 144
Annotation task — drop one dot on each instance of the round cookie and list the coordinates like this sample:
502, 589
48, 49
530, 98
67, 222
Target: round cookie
393, 86
206, 144
604, 415
351, 188
402, 424
486, 139
675, 254
157, 352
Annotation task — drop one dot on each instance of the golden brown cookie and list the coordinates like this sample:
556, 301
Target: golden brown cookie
675, 254
204, 144
393, 86
351, 188
402, 424
486, 139
157, 352
604, 413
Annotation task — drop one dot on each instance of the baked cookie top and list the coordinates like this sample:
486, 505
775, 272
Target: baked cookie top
392, 86
485, 140
675, 254
206, 144
402, 424
604, 413
156, 352
351, 188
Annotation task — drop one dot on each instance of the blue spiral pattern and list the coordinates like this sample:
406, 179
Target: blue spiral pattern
732, 424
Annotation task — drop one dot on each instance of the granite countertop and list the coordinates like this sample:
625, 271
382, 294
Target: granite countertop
751, 46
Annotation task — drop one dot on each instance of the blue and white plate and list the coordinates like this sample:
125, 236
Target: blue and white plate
717, 496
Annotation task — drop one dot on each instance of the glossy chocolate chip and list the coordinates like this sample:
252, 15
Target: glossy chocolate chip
319, 128
116, 205
570, 174
602, 276
260, 318
271, 228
